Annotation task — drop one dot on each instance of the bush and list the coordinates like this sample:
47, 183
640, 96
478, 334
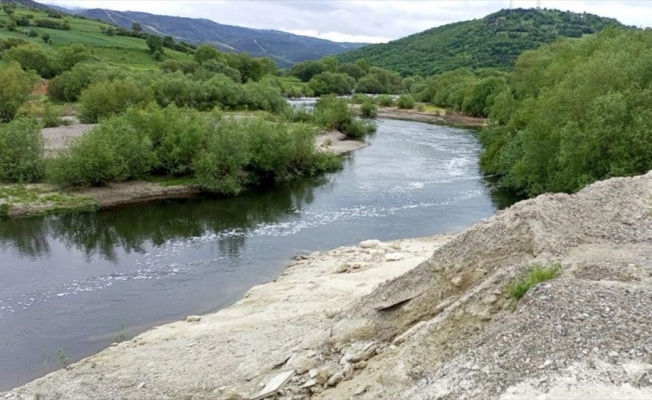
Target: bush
33, 57
368, 110
69, 85
112, 152
104, 99
299, 114
52, 116
334, 113
72, 55
176, 134
21, 151
331, 83
358, 98
385, 101
16, 86
406, 101
254, 151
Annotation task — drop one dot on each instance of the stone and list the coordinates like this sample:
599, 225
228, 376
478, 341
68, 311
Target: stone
457, 281
193, 318
360, 390
274, 385
301, 364
325, 373
309, 384
394, 257
343, 268
491, 299
369, 244
142, 385
312, 373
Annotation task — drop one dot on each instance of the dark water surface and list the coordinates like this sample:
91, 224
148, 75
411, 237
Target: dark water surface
75, 282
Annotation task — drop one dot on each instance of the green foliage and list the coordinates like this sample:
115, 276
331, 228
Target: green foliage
368, 109
532, 277
253, 151
69, 85
406, 101
578, 112
334, 113
378, 81
21, 151
50, 24
358, 98
154, 44
307, 69
32, 57
385, 101
16, 86
331, 83
481, 100
104, 99
112, 152
69, 56
351, 70
52, 116
494, 41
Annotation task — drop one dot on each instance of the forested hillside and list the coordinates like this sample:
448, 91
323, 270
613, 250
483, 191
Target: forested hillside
284, 48
495, 41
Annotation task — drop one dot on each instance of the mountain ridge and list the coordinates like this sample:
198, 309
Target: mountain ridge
285, 48
494, 41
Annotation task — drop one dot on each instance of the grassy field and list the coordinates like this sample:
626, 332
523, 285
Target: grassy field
112, 50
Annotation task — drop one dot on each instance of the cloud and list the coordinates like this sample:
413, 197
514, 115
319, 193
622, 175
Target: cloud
361, 20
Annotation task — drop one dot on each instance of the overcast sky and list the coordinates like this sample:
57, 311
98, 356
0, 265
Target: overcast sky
357, 21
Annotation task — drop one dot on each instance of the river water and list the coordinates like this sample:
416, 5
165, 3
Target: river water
72, 284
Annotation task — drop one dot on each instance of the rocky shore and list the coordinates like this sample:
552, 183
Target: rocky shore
427, 318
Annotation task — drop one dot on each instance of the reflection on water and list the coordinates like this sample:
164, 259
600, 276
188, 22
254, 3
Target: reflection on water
69, 281
130, 228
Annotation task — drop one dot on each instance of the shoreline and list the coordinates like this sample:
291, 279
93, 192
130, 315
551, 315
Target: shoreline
42, 198
420, 318
300, 307
458, 120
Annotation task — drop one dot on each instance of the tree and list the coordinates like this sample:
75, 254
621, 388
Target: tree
168, 41
154, 44
136, 27
46, 38
72, 55
33, 57
351, 70
331, 83
207, 52
16, 86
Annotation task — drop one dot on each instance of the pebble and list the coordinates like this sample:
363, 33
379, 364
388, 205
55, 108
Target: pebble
394, 257
193, 318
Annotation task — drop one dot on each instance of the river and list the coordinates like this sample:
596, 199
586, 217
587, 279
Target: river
72, 284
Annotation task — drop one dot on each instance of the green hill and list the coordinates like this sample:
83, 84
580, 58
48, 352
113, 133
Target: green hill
112, 50
494, 41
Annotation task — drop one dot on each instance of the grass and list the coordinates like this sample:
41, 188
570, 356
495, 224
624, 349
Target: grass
431, 108
44, 200
171, 180
330, 314
111, 50
532, 277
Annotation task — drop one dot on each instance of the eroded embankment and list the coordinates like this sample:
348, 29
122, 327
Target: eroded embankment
420, 319
23, 200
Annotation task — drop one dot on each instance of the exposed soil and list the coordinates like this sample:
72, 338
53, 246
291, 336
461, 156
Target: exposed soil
430, 117
420, 319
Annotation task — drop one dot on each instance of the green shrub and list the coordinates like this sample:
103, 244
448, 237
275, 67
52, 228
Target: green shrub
177, 135
16, 86
532, 277
299, 114
21, 151
358, 98
52, 116
33, 57
334, 113
385, 101
406, 101
69, 85
112, 152
252, 151
219, 167
368, 109
104, 99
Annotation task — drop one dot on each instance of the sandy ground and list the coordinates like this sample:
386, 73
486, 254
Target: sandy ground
57, 139
422, 116
428, 318
220, 356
